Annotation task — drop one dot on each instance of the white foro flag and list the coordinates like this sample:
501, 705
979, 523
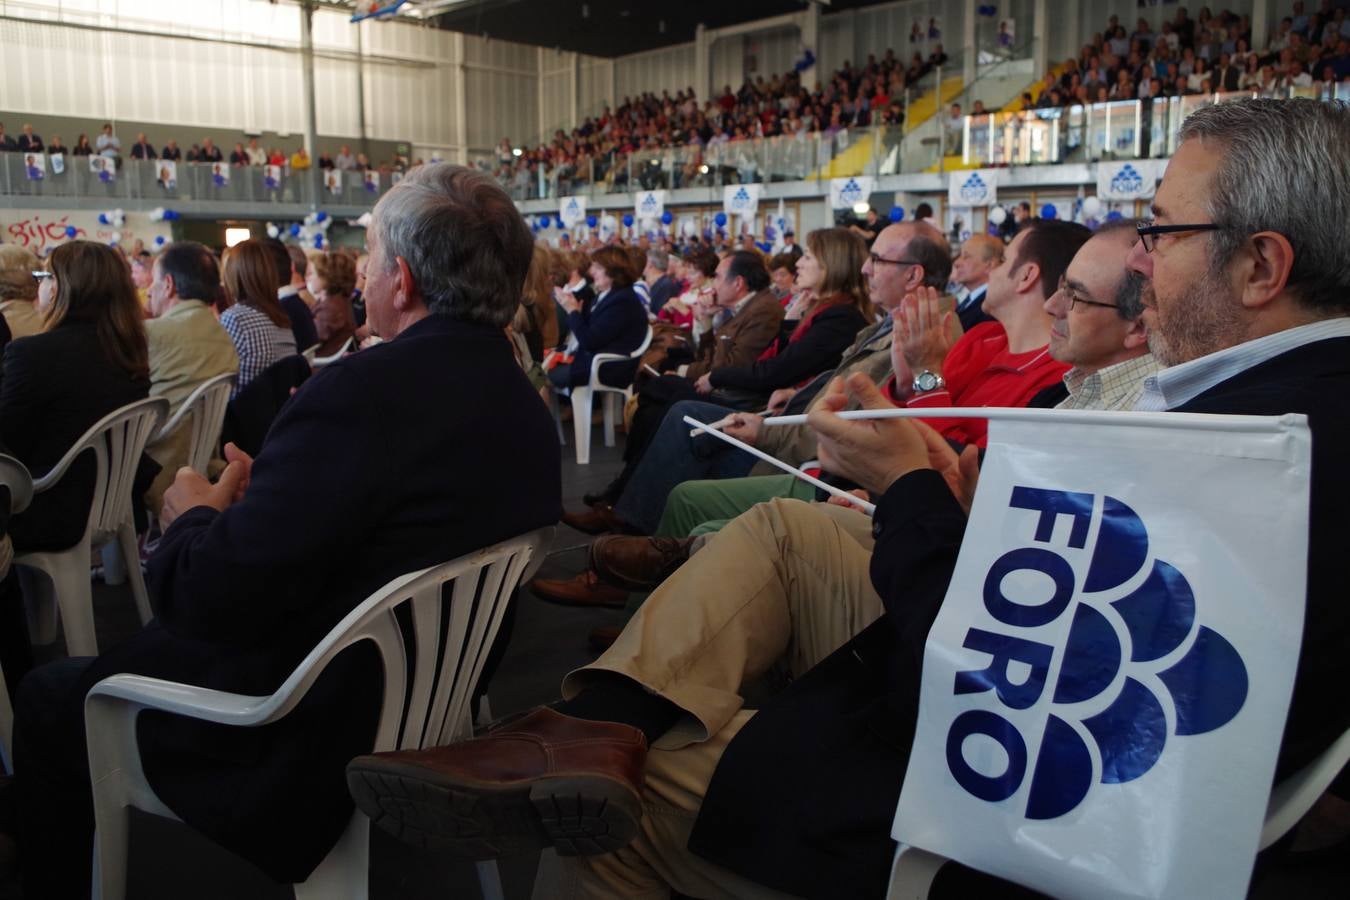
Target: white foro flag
845, 192
649, 204
741, 199
972, 187
1106, 684
1136, 179
572, 211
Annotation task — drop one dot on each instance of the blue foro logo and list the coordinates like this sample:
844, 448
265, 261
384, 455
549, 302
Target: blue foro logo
973, 190
1127, 181
649, 205
1119, 630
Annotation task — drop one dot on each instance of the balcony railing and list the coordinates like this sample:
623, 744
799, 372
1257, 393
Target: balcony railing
146, 183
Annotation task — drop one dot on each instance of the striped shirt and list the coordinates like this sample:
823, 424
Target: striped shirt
1116, 387
1175, 386
257, 340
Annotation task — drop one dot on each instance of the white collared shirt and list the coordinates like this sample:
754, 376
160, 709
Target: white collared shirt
1175, 386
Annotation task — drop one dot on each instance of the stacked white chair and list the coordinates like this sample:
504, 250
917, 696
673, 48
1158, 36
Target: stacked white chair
449, 654
583, 398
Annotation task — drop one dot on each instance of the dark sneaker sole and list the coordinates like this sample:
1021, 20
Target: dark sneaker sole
578, 815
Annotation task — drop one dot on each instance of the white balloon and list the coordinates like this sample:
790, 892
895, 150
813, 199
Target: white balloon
997, 214
1092, 207
273, 231
116, 237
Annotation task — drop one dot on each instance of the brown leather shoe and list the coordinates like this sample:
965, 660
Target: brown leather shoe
637, 563
543, 780
602, 638
599, 519
584, 590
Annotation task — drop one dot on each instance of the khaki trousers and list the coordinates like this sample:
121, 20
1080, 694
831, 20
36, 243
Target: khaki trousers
781, 587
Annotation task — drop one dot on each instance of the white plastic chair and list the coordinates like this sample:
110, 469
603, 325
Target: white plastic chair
436, 711
117, 441
913, 871
13, 475
206, 406
583, 396
318, 362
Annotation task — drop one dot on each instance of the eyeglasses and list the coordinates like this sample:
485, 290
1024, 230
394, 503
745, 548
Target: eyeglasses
1148, 233
895, 262
1075, 299
39, 274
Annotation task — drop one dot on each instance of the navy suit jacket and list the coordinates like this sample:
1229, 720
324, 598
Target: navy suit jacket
399, 457
615, 324
302, 322
839, 736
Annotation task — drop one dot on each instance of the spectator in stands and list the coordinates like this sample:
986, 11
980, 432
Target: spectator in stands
187, 345
88, 360
354, 460
19, 290
275, 157
980, 255
210, 152
297, 302
142, 148
7, 144
108, 144
239, 156
255, 320
660, 285
325, 161
29, 142
171, 151
331, 279
141, 275
256, 155
300, 160
344, 160
55, 147
614, 322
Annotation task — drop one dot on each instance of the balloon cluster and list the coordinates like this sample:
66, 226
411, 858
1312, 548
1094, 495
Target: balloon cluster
116, 218
160, 214
312, 232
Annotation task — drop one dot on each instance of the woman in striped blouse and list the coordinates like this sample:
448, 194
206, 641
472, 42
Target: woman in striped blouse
257, 324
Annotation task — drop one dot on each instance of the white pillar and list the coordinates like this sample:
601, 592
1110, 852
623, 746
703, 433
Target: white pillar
702, 63
311, 113
574, 71
461, 101
810, 30
542, 124
1260, 23
1038, 27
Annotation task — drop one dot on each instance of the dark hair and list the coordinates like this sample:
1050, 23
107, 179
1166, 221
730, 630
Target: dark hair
784, 261
750, 266
930, 249
93, 284
463, 239
618, 265
250, 278
1130, 289
1050, 244
923, 211
298, 260
281, 259
194, 270
703, 261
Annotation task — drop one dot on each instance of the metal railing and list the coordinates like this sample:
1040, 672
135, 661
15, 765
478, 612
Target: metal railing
148, 182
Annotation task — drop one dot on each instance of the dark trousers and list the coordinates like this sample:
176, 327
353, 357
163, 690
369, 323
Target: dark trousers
55, 804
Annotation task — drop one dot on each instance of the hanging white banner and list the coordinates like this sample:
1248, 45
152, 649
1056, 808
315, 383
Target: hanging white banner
972, 187
649, 204
572, 211
1105, 687
844, 192
741, 199
1136, 179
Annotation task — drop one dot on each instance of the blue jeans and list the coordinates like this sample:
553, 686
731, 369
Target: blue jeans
674, 457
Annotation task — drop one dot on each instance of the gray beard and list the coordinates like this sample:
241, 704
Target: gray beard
1202, 319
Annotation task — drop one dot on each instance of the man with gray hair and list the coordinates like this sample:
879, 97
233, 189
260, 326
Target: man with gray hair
659, 283
19, 290
408, 454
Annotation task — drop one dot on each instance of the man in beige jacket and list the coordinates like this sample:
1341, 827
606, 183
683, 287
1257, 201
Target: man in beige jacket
188, 345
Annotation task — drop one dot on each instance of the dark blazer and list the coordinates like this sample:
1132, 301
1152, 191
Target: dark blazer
662, 290
28, 144
302, 322
804, 796
973, 313
392, 459
616, 323
142, 151
830, 333
54, 386
253, 410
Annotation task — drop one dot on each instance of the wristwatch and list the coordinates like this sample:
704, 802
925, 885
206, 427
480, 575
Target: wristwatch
927, 381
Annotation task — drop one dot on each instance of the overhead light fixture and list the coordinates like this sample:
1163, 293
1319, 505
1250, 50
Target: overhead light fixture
236, 236
703, 169
861, 208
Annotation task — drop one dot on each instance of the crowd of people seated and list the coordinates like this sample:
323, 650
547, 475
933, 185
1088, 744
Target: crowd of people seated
600, 147
108, 144
749, 574
1206, 55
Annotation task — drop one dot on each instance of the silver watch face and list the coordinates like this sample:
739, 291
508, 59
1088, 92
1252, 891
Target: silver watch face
926, 381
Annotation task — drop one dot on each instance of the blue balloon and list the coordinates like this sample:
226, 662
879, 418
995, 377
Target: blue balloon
103, 219
667, 217
561, 223
1113, 215
171, 215
71, 231
295, 231
897, 213
720, 219
159, 240
592, 221
1048, 211
320, 216
627, 220
318, 242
